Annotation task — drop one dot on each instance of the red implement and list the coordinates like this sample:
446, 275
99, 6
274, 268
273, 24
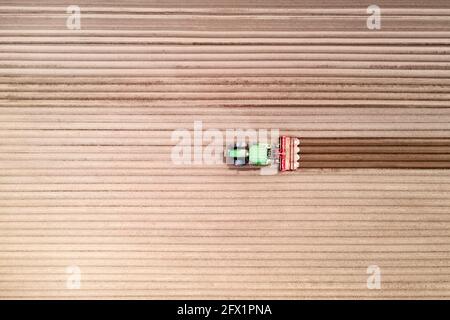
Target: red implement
289, 153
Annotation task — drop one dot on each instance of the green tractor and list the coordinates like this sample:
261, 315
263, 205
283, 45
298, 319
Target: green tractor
286, 154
